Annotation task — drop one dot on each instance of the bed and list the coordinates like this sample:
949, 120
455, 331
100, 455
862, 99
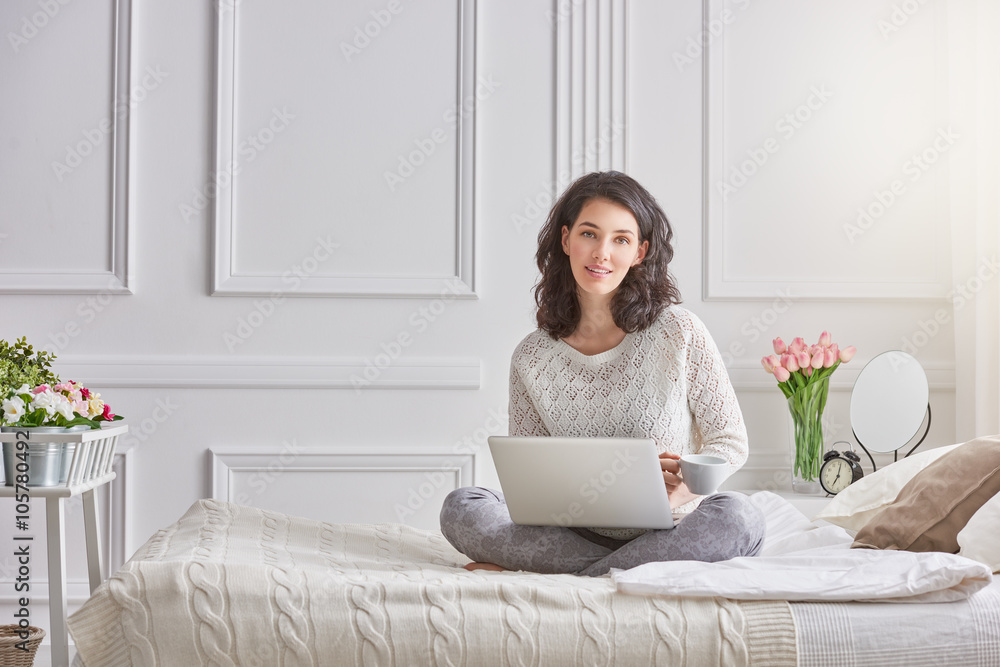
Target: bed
233, 585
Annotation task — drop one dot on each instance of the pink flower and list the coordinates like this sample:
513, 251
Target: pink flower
781, 374
769, 363
789, 362
107, 413
798, 345
85, 393
817, 359
807, 370
847, 353
824, 339
803, 359
63, 386
779, 346
40, 388
829, 358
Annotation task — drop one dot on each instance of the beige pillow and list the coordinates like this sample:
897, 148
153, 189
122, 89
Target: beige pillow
938, 502
980, 539
858, 504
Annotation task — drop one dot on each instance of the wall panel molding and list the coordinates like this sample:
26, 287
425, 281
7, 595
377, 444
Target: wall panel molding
246, 372
591, 87
116, 279
749, 375
718, 282
227, 280
400, 485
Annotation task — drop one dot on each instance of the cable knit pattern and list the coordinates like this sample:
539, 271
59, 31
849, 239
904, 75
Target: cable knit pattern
237, 585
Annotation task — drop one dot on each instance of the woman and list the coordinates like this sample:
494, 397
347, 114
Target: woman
614, 355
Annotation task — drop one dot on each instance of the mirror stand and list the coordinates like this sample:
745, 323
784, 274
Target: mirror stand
895, 452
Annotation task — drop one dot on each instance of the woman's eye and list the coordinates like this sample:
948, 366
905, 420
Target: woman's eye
623, 240
588, 235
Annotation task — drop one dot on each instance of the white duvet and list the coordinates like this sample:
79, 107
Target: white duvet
802, 560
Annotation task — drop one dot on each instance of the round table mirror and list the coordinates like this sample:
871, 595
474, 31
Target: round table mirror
889, 401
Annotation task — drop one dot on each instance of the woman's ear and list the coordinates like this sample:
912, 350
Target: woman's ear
641, 255
565, 239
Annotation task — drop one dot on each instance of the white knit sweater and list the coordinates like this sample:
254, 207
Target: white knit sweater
667, 382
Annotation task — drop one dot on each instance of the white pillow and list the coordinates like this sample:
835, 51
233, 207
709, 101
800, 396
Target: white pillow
853, 507
980, 539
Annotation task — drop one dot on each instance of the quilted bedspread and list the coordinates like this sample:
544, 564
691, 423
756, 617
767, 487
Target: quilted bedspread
234, 585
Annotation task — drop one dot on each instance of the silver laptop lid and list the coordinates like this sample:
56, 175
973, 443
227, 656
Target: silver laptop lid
583, 482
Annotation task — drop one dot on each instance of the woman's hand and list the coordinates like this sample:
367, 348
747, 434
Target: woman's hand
677, 490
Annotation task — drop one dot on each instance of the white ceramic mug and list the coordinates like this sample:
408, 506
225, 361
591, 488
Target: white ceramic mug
703, 473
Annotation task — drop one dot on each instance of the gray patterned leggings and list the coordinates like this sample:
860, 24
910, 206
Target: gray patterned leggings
476, 522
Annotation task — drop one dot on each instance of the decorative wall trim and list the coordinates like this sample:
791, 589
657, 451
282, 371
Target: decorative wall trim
227, 282
717, 284
226, 461
748, 375
246, 372
117, 279
591, 87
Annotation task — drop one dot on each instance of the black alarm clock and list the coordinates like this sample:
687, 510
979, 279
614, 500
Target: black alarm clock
839, 470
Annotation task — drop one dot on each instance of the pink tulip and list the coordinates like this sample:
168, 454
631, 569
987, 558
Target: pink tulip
829, 358
803, 359
807, 370
769, 363
824, 339
798, 345
847, 353
789, 362
779, 346
781, 374
817, 359
836, 349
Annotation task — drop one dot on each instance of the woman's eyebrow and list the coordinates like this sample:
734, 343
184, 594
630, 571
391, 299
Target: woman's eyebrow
617, 231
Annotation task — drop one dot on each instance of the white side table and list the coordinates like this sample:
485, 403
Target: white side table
90, 468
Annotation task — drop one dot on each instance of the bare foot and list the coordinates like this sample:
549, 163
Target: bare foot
483, 566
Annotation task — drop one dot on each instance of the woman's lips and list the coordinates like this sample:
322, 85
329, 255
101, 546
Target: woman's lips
598, 271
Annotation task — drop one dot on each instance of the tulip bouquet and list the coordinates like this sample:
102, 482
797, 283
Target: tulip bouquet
803, 374
64, 404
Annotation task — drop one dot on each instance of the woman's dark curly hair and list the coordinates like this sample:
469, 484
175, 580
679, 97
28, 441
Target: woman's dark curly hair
648, 287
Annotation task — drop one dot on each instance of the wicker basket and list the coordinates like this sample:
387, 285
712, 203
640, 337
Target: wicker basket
10, 654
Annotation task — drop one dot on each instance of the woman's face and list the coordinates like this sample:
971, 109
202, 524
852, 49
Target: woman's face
603, 244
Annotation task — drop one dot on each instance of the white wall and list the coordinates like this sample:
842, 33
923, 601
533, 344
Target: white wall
231, 333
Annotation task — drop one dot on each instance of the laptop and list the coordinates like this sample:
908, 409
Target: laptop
582, 482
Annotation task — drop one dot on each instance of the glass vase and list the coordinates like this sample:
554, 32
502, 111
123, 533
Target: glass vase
805, 407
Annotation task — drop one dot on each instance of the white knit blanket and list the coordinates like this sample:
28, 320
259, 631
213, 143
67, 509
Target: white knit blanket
233, 585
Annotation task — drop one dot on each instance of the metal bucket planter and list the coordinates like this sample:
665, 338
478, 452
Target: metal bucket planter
48, 462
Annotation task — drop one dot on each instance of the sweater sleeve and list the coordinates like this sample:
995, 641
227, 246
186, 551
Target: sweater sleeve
524, 417
712, 400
